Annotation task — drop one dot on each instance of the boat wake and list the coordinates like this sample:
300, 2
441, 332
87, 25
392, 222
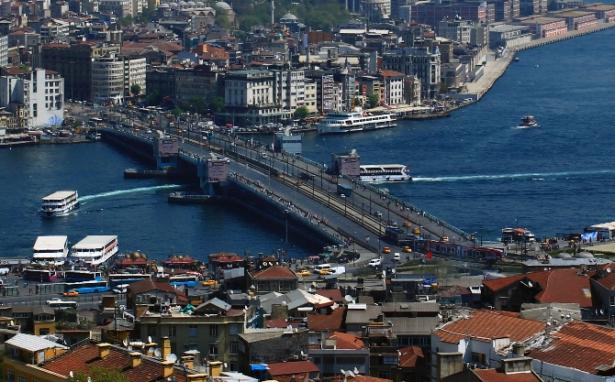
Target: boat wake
110, 194
535, 176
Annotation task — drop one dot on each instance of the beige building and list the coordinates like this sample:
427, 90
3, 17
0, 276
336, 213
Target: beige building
311, 97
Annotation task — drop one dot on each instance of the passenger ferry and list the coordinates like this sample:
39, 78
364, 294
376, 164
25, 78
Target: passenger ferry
384, 173
59, 203
95, 249
349, 122
50, 250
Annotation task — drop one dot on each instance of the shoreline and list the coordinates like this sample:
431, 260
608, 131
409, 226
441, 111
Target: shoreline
496, 69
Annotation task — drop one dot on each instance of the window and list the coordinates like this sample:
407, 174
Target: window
172, 331
234, 347
192, 330
612, 300
10, 377
213, 350
213, 330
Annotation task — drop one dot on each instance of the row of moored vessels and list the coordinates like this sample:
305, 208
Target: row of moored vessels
93, 250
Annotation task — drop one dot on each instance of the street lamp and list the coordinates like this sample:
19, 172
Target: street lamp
344, 197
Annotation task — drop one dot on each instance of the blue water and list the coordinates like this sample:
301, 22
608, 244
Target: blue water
474, 169
478, 172
135, 210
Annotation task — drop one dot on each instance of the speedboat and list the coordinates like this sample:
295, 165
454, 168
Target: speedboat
528, 121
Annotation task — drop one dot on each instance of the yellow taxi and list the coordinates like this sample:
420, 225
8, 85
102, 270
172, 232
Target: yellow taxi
304, 273
386, 250
209, 283
406, 249
71, 293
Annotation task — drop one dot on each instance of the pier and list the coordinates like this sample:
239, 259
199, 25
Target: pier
296, 192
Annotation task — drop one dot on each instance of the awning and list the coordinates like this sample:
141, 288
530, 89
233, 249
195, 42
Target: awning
258, 367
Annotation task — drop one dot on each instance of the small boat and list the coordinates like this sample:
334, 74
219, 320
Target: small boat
59, 203
384, 173
516, 59
528, 121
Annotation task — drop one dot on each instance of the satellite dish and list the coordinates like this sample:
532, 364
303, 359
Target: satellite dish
356, 371
348, 298
12, 323
149, 339
529, 283
343, 371
125, 342
351, 374
71, 374
225, 365
171, 358
157, 353
89, 379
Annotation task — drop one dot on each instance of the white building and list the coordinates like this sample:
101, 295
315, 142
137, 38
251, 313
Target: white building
289, 88
113, 76
249, 98
54, 30
134, 74
4, 50
40, 93
393, 87
483, 338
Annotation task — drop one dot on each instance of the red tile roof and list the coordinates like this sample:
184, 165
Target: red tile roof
565, 286
579, 345
607, 281
288, 368
82, 358
347, 341
326, 322
557, 285
331, 294
493, 375
390, 73
276, 272
488, 325
409, 355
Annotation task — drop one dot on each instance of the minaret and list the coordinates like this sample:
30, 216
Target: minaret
272, 12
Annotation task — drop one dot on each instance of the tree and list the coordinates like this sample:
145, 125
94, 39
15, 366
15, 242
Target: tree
301, 113
216, 104
126, 21
197, 105
372, 101
99, 374
135, 90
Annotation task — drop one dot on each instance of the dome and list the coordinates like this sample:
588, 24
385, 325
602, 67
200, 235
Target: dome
289, 17
164, 6
223, 5
191, 3
173, 5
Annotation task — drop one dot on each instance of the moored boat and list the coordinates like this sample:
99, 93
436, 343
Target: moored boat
95, 249
50, 250
354, 121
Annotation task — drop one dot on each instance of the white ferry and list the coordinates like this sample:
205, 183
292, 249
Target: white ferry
384, 173
348, 122
60, 203
95, 249
50, 250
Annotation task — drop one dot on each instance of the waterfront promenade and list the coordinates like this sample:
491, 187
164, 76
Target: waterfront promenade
497, 67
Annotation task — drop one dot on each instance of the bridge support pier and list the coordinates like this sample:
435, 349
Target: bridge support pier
212, 172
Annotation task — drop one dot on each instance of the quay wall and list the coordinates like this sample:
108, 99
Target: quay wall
497, 69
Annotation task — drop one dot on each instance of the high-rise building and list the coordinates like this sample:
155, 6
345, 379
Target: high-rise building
289, 88
113, 77
39, 92
74, 63
422, 62
4, 50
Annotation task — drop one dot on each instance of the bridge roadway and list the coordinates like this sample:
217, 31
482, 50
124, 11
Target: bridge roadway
359, 218
366, 205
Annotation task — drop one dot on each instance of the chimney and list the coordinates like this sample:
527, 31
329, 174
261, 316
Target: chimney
167, 369
197, 378
518, 349
215, 368
148, 348
135, 359
166, 348
448, 364
279, 312
104, 349
517, 365
188, 361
